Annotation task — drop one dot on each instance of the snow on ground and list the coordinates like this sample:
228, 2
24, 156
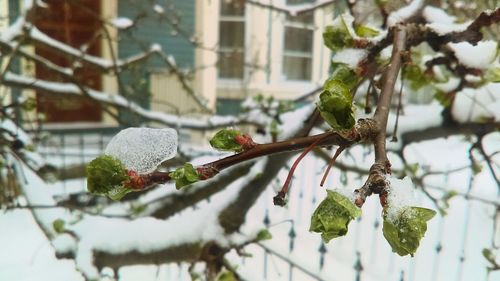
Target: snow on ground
463, 232
26, 255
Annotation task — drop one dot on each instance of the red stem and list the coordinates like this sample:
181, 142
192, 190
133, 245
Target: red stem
280, 198
330, 164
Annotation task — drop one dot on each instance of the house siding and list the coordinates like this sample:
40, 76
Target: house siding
153, 28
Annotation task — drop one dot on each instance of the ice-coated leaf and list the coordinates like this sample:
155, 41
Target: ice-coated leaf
335, 105
106, 176
185, 175
118, 192
224, 140
333, 215
143, 149
337, 37
406, 230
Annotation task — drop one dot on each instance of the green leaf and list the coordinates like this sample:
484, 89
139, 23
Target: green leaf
106, 176
345, 74
476, 167
335, 105
58, 226
137, 208
338, 37
264, 234
185, 175
416, 77
333, 215
489, 256
29, 104
224, 140
405, 231
493, 75
365, 31
226, 276
274, 128
412, 168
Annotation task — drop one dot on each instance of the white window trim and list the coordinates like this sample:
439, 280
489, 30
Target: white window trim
311, 26
245, 18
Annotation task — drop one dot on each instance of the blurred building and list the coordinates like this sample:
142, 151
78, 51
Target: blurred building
225, 50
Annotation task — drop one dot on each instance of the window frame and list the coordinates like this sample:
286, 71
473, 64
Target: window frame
228, 50
309, 26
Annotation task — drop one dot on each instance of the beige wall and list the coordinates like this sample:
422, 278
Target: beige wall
259, 22
4, 23
207, 34
109, 10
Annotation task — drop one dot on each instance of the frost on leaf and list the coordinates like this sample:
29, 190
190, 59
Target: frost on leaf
143, 149
225, 140
185, 175
404, 224
106, 176
333, 215
405, 231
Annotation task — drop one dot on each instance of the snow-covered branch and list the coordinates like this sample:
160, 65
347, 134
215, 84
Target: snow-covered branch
119, 101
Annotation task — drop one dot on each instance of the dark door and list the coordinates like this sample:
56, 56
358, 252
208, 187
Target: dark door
75, 23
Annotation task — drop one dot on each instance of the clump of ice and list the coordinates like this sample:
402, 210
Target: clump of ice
143, 149
401, 196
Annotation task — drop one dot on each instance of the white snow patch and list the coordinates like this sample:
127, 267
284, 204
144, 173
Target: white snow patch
480, 56
38, 35
143, 149
449, 85
14, 30
404, 13
415, 117
9, 126
293, 120
473, 105
347, 193
158, 9
444, 28
401, 195
155, 47
349, 56
122, 22
64, 243
434, 14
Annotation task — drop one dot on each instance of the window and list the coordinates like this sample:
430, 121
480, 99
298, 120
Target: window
298, 45
232, 39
